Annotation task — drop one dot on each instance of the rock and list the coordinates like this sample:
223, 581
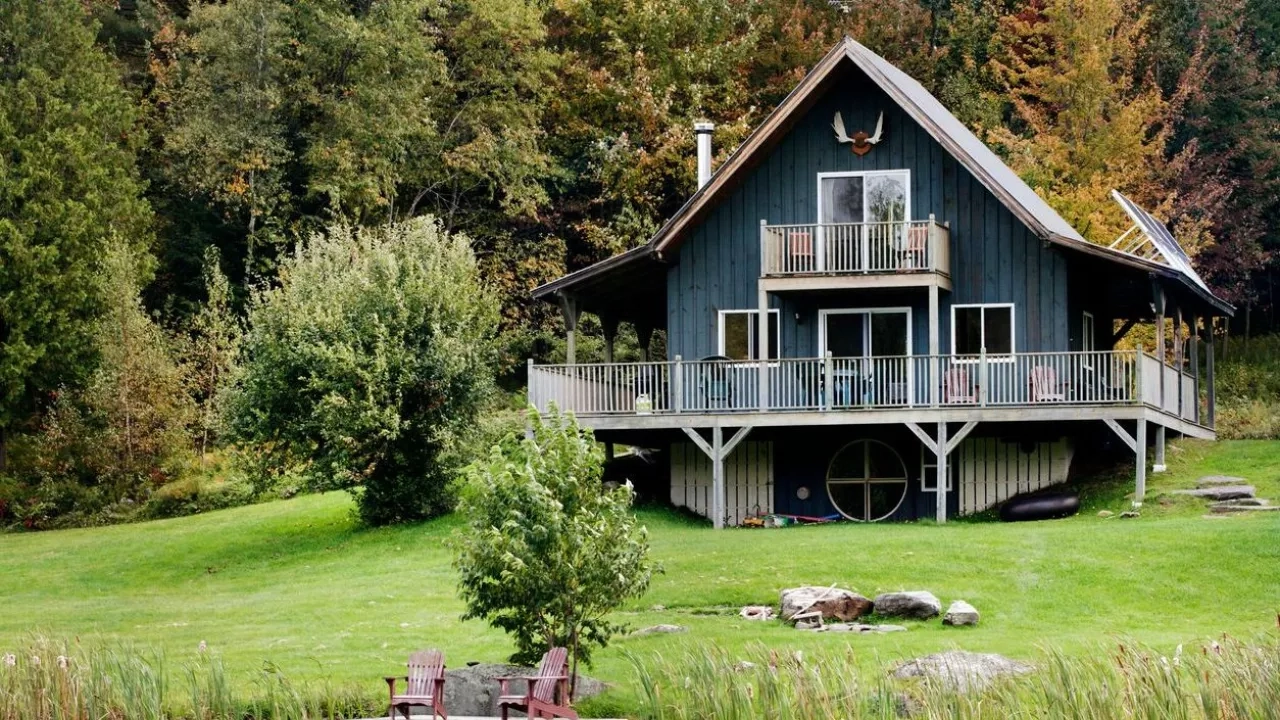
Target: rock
1237, 506
658, 608
1243, 502
473, 690
961, 670
1215, 480
1130, 514
1221, 492
661, 630
1105, 513
833, 603
960, 613
756, 612
857, 628
918, 604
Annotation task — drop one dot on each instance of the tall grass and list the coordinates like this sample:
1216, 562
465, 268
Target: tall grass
58, 680
1228, 681
1248, 388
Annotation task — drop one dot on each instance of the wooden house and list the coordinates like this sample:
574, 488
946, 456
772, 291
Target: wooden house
868, 314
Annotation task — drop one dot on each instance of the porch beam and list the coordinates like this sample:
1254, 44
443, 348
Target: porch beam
1208, 371
1159, 300
924, 437
1195, 367
935, 344
960, 435
1123, 434
1118, 335
737, 437
717, 478
702, 444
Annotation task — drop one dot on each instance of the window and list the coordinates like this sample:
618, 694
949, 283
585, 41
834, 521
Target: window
738, 330
1088, 338
978, 327
867, 481
882, 196
929, 472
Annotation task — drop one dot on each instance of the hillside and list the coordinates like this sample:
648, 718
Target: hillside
297, 583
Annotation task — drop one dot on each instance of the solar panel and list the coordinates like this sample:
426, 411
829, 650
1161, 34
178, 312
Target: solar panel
1166, 248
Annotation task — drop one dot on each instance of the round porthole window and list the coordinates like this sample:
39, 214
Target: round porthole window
867, 480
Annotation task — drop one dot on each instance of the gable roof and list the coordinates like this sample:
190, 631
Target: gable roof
922, 107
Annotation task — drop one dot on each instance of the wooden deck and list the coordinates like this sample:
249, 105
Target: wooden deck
825, 391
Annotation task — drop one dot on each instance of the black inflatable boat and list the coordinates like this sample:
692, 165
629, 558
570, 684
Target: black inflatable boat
1045, 506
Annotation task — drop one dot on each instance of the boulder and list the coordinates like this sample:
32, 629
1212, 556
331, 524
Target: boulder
918, 604
833, 603
1105, 513
473, 690
961, 670
661, 630
1216, 480
960, 613
1220, 492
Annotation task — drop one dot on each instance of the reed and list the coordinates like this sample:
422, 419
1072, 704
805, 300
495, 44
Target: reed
1220, 681
49, 679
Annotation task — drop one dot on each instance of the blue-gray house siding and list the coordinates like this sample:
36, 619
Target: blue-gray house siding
995, 258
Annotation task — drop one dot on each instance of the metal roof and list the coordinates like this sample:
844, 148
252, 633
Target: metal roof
987, 167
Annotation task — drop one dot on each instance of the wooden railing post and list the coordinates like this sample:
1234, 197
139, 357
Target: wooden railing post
765, 267
677, 385
828, 384
984, 379
530, 394
931, 247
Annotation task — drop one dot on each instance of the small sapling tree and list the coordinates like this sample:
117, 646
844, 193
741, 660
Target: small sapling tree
547, 551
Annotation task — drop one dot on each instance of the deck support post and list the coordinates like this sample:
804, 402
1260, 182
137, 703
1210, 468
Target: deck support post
1208, 371
941, 453
1195, 368
762, 341
717, 450
1158, 466
934, 346
569, 307
1160, 354
1140, 463
1178, 355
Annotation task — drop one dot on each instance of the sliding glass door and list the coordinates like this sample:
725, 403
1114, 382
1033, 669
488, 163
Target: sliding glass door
869, 350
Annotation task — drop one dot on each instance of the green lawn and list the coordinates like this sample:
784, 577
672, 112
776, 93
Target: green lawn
297, 583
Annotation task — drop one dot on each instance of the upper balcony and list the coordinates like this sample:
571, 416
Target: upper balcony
912, 253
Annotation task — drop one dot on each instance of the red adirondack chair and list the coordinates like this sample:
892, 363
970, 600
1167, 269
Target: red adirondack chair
956, 387
425, 685
547, 694
1044, 385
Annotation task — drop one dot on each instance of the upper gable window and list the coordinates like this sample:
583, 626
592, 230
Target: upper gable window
864, 197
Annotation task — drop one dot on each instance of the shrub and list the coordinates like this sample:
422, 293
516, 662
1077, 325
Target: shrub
547, 552
375, 348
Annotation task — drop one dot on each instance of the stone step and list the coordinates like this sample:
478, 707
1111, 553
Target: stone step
1224, 509
1224, 492
1219, 480
1242, 502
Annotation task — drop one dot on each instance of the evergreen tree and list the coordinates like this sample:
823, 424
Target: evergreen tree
69, 137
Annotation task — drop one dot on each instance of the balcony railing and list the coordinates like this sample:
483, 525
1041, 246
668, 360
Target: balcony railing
858, 383
855, 248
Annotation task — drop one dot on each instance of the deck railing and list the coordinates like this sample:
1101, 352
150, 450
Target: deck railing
855, 248
843, 383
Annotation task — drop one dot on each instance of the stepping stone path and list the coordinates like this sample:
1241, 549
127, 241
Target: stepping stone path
661, 629
1230, 495
855, 628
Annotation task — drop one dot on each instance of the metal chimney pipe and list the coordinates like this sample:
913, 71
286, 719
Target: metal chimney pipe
702, 131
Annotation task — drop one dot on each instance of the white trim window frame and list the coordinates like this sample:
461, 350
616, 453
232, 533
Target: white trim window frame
820, 240
775, 339
991, 357
926, 465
